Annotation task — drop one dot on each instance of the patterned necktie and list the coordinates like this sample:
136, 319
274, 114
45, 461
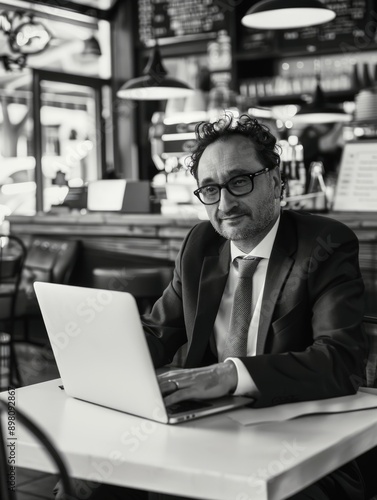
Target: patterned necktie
236, 341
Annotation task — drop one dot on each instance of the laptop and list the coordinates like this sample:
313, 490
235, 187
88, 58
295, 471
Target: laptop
103, 356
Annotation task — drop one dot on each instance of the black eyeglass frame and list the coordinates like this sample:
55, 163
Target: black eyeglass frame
226, 186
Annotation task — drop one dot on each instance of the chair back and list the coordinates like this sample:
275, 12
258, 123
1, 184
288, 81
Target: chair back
12, 258
370, 326
50, 260
46, 260
145, 284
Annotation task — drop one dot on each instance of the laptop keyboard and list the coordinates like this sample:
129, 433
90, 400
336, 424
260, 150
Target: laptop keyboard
188, 405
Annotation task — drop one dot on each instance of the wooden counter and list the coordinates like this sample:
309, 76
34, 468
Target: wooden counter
109, 239
122, 240
148, 235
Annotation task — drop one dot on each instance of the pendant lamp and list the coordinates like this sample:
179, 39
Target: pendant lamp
318, 111
155, 84
287, 14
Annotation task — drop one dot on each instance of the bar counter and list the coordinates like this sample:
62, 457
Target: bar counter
124, 240
149, 235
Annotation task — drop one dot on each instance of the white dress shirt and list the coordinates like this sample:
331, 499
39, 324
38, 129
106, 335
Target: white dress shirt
245, 385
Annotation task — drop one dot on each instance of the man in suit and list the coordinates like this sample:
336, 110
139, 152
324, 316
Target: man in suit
301, 324
304, 338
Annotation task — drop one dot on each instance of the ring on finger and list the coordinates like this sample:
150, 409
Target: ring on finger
175, 383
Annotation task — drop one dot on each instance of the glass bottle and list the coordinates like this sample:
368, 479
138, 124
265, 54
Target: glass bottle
301, 170
285, 167
317, 186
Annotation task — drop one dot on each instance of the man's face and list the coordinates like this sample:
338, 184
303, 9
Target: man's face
245, 219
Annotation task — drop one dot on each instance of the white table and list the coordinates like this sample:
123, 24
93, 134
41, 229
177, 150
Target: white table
213, 457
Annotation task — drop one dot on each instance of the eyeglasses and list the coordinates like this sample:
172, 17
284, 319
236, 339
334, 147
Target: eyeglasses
239, 185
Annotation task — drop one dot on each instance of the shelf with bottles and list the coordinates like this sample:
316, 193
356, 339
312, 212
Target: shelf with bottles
292, 167
288, 80
302, 190
262, 91
297, 90
313, 202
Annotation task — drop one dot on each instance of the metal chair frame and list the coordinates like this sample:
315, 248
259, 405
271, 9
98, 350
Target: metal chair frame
15, 277
5, 492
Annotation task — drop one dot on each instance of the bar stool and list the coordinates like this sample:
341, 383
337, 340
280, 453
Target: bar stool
145, 284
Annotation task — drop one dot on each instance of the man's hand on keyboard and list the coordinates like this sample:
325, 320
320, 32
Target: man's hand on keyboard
209, 382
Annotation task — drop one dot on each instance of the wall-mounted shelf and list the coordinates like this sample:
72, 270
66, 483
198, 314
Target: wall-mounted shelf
297, 98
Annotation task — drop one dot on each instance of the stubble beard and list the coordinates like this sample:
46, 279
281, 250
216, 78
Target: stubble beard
256, 225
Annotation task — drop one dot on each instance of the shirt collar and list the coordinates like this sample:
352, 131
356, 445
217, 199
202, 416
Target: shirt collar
264, 247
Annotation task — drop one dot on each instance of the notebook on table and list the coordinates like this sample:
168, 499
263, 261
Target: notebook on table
103, 356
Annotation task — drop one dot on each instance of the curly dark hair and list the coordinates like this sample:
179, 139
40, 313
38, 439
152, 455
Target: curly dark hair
259, 134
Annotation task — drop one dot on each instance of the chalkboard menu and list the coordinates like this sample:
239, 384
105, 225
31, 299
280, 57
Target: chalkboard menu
175, 18
352, 30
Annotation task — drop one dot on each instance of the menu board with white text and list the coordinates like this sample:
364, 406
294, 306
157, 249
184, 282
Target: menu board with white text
353, 29
178, 20
357, 182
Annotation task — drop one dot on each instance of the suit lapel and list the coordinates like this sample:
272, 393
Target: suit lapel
214, 275
280, 263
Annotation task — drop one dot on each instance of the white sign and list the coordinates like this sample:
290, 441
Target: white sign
357, 182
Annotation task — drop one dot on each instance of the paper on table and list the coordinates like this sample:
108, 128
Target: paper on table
363, 399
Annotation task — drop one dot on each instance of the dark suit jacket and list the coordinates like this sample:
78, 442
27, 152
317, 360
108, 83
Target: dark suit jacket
310, 341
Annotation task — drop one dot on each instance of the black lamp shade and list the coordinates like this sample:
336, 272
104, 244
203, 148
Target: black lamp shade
155, 84
319, 111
